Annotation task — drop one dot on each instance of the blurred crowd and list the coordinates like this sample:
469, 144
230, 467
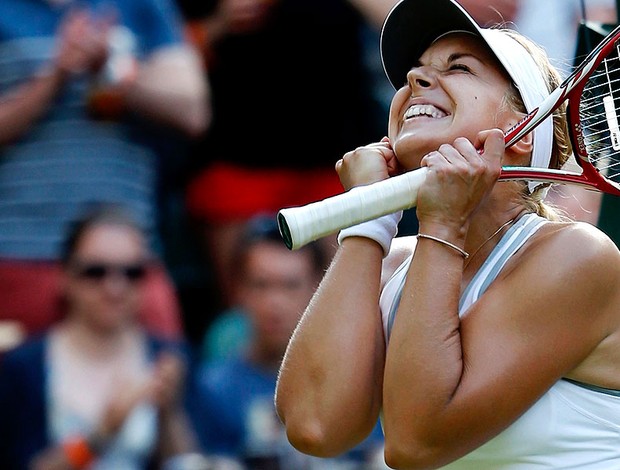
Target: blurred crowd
146, 297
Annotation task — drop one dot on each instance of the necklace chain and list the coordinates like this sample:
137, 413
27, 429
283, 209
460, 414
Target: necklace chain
493, 235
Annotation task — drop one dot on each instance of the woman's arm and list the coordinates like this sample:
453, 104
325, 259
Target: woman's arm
171, 88
329, 387
22, 107
81, 47
374, 11
451, 384
176, 434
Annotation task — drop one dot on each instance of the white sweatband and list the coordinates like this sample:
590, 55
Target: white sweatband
381, 230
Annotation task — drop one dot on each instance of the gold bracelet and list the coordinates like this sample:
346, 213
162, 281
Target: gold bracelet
462, 252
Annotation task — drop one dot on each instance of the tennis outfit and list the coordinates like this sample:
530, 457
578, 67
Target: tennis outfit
572, 426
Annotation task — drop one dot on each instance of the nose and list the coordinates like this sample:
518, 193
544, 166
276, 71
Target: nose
116, 285
420, 77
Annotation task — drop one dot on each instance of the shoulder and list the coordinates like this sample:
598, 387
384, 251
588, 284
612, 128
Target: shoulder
33, 350
571, 259
579, 243
22, 369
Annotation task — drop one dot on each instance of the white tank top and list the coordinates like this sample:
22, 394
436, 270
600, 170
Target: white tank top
572, 426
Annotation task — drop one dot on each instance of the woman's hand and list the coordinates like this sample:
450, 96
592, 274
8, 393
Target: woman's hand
368, 164
166, 381
460, 177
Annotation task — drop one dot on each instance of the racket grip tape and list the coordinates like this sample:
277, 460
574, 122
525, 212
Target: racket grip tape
301, 225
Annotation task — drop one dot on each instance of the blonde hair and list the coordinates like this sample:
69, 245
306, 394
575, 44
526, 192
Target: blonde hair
562, 148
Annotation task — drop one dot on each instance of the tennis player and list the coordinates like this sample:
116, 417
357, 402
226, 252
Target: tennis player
492, 339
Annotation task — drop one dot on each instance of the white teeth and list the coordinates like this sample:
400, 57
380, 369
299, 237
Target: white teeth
424, 110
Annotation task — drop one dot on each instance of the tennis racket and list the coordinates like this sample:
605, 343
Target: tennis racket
593, 95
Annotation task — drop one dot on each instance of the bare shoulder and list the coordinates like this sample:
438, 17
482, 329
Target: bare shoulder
586, 282
401, 249
575, 254
579, 242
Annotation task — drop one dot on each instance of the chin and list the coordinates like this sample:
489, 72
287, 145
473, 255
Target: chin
410, 151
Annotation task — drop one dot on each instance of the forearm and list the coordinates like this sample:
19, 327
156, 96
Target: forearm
23, 106
374, 11
176, 436
171, 88
424, 362
329, 388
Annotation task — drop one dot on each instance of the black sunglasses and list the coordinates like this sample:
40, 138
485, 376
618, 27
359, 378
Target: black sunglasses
99, 271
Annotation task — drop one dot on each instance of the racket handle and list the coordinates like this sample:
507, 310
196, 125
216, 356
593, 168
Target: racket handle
301, 225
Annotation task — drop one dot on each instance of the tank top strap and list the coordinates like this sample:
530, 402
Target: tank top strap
509, 244
514, 238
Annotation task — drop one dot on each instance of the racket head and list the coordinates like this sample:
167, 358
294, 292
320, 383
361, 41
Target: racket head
593, 116
592, 95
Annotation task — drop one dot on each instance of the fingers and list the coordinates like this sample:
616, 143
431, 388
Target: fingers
487, 150
166, 380
491, 141
460, 175
367, 164
494, 146
119, 407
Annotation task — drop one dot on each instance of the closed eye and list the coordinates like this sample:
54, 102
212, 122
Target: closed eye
459, 67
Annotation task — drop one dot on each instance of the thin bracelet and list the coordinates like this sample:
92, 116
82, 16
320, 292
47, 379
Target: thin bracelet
462, 252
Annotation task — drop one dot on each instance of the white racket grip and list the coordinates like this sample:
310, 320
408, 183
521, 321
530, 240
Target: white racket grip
301, 225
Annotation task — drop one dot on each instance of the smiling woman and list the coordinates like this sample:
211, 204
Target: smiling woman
452, 78
474, 341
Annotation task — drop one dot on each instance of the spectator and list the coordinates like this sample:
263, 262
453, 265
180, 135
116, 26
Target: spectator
235, 414
95, 388
79, 124
276, 66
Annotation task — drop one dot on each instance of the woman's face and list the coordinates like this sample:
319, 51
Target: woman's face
103, 278
457, 90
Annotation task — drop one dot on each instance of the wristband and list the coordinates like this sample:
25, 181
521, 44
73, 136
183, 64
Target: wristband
382, 230
78, 452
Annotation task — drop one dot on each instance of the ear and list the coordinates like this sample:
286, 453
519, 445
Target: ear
521, 150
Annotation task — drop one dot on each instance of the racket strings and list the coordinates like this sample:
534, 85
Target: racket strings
599, 113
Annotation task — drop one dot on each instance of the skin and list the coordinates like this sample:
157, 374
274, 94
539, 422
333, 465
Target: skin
447, 385
109, 305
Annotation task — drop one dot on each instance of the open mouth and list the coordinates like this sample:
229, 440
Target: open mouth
424, 110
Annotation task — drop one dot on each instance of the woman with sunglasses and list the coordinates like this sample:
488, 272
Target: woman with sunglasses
491, 341
96, 388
